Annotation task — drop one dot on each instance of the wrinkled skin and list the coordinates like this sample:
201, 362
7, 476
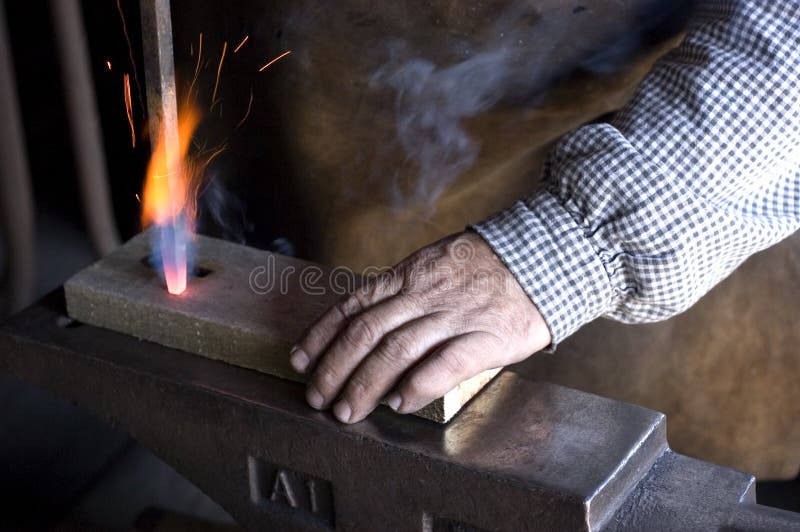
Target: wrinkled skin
409, 335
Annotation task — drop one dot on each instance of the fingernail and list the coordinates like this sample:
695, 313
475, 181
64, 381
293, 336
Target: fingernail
394, 401
342, 411
299, 359
314, 398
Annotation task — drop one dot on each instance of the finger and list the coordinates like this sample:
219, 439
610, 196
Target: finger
451, 364
353, 343
318, 337
305, 353
385, 365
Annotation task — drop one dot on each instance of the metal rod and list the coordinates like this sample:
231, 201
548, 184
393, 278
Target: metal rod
159, 71
162, 106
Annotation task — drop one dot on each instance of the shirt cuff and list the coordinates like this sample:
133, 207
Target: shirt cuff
550, 254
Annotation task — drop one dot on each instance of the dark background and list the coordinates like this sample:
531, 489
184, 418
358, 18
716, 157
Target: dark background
40, 92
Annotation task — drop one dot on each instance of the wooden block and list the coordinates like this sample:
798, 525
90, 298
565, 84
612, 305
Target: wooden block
245, 307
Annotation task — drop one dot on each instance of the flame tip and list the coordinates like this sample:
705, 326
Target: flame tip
167, 200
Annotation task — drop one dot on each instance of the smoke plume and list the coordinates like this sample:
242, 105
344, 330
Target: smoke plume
514, 65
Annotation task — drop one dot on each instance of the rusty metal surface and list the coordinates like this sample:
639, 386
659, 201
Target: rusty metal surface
523, 455
678, 483
159, 71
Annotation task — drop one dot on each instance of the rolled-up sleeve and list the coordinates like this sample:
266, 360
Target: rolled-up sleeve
639, 217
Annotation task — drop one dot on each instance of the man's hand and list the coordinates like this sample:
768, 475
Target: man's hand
441, 316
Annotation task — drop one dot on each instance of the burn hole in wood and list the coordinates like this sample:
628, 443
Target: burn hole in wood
197, 271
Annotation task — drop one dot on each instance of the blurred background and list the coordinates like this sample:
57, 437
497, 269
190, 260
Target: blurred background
61, 468
316, 171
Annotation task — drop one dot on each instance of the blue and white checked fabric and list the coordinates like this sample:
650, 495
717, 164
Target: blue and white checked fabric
641, 216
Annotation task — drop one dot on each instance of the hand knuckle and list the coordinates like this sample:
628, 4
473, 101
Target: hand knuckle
363, 297
453, 361
386, 278
326, 378
503, 328
443, 282
459, 323
361, 331
414, 301
344, 306
357, 389
397, 347
313, 338
380, 284
414, 388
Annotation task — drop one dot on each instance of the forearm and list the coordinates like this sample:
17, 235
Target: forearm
641, 216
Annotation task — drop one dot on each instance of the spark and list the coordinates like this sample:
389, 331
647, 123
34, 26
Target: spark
198, 182
284, 54
241, 44
196, 69
199, 55
219, 71
247, 113
216, 153
108, 64
138, 198
128, 106
130, 54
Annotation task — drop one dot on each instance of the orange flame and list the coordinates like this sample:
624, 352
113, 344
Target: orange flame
165, 198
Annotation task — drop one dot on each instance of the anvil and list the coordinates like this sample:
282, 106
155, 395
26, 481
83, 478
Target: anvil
522, 455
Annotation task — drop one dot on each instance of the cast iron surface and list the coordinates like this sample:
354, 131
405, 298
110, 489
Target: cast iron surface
523, 455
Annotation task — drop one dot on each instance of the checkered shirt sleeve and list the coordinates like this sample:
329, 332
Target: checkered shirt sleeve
639, 217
